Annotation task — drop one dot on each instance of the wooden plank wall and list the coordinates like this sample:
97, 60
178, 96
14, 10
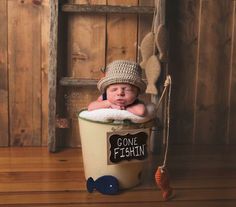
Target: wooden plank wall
86, 55
4, 136
202, 64
93, 41
232, 85
23, 72
201, 61
45, 16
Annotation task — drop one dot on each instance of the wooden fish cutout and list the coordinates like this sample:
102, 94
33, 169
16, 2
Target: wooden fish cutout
106, 184
161, 42
146, 48
152, 71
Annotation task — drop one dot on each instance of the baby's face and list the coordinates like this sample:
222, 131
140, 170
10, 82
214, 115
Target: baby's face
122, 94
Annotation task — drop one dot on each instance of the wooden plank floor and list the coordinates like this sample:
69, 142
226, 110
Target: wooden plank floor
200, 175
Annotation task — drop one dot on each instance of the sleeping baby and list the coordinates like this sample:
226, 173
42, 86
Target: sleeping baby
120, 88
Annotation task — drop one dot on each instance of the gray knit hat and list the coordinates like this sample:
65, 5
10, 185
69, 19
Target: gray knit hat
122, 71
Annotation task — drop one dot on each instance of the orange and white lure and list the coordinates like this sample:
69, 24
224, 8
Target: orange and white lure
163, 181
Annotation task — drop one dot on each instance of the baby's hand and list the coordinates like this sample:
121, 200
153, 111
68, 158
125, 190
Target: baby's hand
113, 106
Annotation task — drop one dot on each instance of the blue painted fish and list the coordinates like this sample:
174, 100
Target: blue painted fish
106, 184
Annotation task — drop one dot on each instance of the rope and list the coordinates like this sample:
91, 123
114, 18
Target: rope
167, 84
162, 11
168, 123
153, 19
153, 28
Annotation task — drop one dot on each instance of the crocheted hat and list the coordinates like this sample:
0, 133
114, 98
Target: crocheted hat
122, 71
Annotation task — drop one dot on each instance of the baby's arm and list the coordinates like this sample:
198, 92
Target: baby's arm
137, 109
99, 104
103, 104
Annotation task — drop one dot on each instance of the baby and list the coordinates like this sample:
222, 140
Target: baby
120, 88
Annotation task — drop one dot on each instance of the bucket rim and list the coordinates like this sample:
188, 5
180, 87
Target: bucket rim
124, 123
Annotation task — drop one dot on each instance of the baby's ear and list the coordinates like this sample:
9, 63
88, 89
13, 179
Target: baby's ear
138, 91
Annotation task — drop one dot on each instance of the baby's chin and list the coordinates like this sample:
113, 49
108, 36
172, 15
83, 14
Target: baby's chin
120, 103
123, 104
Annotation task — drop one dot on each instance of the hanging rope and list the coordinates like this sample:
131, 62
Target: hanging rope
161, 175
167, 87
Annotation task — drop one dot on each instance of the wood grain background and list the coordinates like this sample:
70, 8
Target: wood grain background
23, 73
93, 41
202, 63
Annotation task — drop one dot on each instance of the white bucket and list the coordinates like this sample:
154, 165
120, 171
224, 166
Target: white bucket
95, 151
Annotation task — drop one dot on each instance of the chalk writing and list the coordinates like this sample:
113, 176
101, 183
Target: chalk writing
129, 146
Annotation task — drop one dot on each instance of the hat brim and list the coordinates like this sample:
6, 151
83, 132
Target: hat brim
106, 81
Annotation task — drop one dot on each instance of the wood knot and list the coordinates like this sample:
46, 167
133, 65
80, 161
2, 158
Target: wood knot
37, 2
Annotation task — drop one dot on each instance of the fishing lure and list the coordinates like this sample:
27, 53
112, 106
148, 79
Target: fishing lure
106, 184
163, 181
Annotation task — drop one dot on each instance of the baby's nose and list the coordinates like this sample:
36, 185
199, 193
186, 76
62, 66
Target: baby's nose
121, 92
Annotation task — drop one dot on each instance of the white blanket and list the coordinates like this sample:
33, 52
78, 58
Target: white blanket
109, 115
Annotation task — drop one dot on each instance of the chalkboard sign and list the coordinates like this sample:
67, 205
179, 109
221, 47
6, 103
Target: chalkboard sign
127, 145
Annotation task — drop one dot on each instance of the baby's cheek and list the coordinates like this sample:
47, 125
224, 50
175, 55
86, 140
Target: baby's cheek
131, 98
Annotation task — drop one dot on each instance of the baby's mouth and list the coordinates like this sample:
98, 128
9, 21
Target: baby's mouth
120, 101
